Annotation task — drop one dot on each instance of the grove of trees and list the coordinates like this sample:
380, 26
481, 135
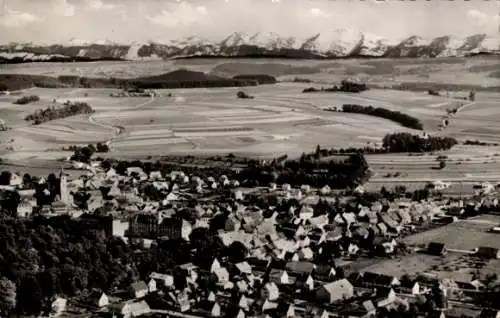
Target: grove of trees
51, 112
406, 142
83, 154
26, 100
396, 116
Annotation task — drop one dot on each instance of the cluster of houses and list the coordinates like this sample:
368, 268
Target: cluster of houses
299, 262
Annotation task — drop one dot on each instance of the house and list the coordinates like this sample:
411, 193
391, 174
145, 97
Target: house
436, 249
182, 301
244, 303
455, 211
271, 291
379, 280
241, 314
306, 212
410, 287
269, 305
152, 286
290, 312
221, 274
280, 276
215, 310
138, 289
162, 280
24, 209
155, 175
215, 265
324, 273
244, 268
474, 285
15, 179
309, 283
488, 252
325, 190
366, 309
335, 291
242, 286
58, 306
98, 299
384, 296
131, 309
306, 254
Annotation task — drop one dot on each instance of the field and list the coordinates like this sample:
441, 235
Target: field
464, 235
280, 119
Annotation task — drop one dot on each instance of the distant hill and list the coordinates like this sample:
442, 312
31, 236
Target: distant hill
333, 44
176, 79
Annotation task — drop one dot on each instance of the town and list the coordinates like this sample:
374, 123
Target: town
145, 238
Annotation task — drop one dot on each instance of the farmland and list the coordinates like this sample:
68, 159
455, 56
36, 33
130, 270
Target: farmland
280, 119
464, 235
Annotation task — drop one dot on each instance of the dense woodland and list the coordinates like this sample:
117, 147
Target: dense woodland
396, 116
52, 112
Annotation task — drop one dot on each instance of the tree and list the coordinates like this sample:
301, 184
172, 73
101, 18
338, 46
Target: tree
442, 164
30, 297
7, 296
236, 252
472, 96
5, 177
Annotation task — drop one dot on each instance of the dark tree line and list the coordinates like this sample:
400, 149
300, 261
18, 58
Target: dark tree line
406, 142
26, 100
396, 116
51, 112
345, 86
337, 174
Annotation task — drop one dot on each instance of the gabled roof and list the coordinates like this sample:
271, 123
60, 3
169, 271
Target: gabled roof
140, 285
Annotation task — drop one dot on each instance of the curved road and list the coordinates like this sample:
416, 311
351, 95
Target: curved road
118, 130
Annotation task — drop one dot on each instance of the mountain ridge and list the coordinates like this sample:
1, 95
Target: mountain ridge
342, 43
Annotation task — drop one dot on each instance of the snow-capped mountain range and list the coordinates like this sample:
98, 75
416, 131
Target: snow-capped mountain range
341, 43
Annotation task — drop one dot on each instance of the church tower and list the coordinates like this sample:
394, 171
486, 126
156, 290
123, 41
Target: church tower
65, 195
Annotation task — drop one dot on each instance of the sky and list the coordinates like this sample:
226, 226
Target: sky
126, 21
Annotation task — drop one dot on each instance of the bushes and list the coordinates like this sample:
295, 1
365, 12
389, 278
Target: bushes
243, 95
479, 143
398, 117
406, 142
51, 113
26, 100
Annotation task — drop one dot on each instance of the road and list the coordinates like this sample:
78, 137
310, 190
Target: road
118, 130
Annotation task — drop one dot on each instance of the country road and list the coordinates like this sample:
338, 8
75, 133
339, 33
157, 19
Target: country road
118, 130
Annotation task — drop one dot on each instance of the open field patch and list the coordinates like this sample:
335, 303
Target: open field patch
462, 235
